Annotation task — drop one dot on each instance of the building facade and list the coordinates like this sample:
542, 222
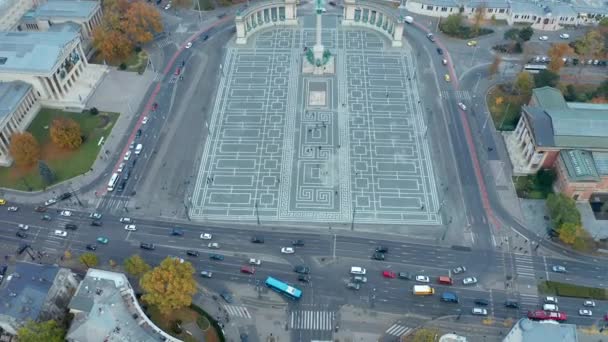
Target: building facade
11, 12
19, 104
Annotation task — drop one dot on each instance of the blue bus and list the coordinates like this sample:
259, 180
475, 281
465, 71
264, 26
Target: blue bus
283, 288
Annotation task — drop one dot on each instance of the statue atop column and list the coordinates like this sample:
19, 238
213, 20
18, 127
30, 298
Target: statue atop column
318, 60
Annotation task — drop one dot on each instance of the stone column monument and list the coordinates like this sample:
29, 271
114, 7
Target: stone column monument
319, 60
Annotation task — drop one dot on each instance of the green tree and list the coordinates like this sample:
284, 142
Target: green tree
602, 89
524, 83
426, 335
452, 24
89, 260
562, 209
526, 33
169, 286
546, 78
545, 178
604, 22
136, 266
568, 233
47, 331
511, 34
45, 173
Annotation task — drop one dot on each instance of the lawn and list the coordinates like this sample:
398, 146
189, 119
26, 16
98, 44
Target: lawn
136, 62
537, 186
185, 315
505, 108
205, 5
65, 164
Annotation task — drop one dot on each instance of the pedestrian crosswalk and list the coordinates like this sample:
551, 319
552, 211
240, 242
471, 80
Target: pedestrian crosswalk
237, 311
524, 266
397, 330
312, 320
462, 95
164, 42
529, 299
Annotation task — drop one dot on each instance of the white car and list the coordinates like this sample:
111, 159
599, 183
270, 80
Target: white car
96, 216
462, 106
127, 156
61, 233
253, 261
564, 36
120, 167
551, 300
422, 279
206, 236
543, 38
13, 208
65, 213
213, 245
585, 312
50, 201
189, 45
126, 220
145, 120
23, 226
558, 269
469, 280
168, 6
287, 250
479, 312
589, 303
130, 227
206, 274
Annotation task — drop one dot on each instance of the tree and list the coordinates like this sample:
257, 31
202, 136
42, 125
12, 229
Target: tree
182, 3
426, 335
142, 22
603, 22
478, 17
590, 45
24, 149
511, 34
562, 209
112, 45
48, 331
89, 260
495, 66
169, 286
545, 78
556, 53
568, 232
524, 83
452, 24
45, 173
65, 133
136, 266
526, 33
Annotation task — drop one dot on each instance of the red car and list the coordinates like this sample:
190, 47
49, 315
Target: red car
542, 315
389, 274
178, 71
248, 269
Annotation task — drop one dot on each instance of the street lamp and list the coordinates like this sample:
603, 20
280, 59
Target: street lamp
257, 212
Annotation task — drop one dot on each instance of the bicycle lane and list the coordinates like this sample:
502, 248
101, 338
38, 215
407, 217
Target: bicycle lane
148, 107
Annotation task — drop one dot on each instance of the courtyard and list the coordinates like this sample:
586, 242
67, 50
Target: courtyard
290, 147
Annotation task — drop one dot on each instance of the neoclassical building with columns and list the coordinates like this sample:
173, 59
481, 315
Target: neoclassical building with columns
19, 104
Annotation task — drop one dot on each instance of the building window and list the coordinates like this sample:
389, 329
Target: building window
516, 16
502, 10
490, 10
444, 9
429, 8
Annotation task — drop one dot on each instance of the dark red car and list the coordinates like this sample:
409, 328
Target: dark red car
178, 71
389, 274
248, 269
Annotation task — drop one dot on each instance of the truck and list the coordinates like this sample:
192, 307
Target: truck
408, 19
423, 290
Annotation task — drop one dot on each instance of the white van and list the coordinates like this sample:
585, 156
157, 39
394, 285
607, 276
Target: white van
357, 270
138, 148
550, 307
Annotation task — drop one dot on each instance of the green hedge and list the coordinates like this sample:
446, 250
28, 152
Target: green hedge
571, 290
218, 329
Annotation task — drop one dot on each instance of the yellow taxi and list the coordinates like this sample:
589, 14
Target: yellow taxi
2, 201
447, 78
472, 43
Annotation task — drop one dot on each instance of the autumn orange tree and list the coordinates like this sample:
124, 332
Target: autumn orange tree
24, 149
125, 24
556, 53
495, 66
65, 133
169, 286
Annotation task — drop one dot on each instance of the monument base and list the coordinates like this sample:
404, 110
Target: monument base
327, 68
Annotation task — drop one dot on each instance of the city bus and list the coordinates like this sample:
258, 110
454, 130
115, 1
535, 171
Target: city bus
284, 289
534, 68
113, 182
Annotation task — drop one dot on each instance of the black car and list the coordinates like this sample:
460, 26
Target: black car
40, 209
71, 226
378, 256
205, 37
226, 296
122, 185
21, 234
149, 246
92, 247
304, 278
382, 249
482, 302
65, 196
512, 304
45, 218
177, 232
405, 275
126, 174
138, 134
301, 269
96, 223
192, 253
439, 51
299, 243
3, 269
257, 239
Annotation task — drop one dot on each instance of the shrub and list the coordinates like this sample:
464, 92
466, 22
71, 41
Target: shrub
122, 66
138, 49
94, 111
571, 290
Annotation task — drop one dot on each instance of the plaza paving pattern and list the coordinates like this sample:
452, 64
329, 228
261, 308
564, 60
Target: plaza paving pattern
360, 152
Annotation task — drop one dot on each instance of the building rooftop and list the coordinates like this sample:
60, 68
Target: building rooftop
601, 162
25, 290
63, 9
580, 165
106, 309
11, 94
526, 330
548, 98
32, 52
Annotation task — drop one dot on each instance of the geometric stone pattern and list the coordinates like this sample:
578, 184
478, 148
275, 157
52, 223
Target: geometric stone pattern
274, 154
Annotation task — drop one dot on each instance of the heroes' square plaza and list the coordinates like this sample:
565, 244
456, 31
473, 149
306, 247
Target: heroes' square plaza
319, 149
